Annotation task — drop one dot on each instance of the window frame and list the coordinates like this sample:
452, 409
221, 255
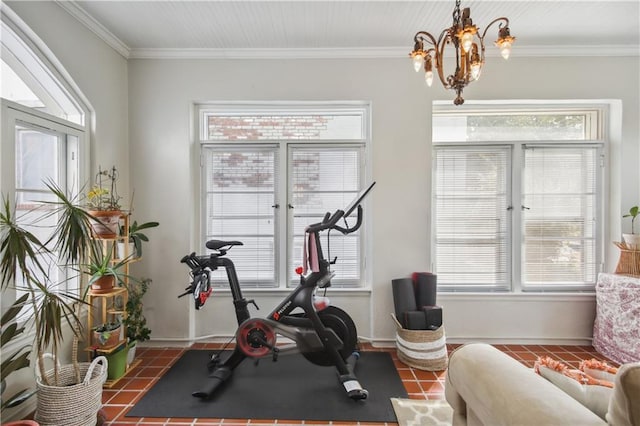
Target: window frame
72, 144
284, 218
70, 111
596, 134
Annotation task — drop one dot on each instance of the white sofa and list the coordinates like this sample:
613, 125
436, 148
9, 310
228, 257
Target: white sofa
487, 387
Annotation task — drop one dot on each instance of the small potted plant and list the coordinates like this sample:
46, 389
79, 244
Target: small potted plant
103, 204
135, 322
136, 237
632, 240
104, 273
107, 335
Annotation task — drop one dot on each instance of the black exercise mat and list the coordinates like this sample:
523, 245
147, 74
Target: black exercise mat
290, 389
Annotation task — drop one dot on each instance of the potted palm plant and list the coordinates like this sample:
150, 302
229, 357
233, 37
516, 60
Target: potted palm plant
65, 392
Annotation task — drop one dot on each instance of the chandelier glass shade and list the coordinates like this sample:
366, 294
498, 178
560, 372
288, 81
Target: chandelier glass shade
429, 54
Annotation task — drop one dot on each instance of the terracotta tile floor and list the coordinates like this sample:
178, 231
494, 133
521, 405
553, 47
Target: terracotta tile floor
419, 384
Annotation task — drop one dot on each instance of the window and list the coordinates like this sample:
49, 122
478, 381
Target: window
517, 198
43, 137
269, 171
41, 155
29, 79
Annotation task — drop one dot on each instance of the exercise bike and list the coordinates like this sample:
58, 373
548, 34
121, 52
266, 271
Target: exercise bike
324, 334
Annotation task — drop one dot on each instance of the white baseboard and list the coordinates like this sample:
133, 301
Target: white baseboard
585, 341
391, 343
174, 342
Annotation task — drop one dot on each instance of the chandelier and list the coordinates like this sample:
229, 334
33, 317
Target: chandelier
469, 51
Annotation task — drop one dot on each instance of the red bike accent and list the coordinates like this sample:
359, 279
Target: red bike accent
255, 329
204, 296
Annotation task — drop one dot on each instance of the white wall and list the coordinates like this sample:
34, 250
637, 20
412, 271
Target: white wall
144, 126
161, 94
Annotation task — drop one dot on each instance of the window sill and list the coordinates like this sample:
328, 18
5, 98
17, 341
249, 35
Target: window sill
529, 296
281, 292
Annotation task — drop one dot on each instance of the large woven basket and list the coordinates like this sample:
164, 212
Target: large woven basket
71, 403
422, 349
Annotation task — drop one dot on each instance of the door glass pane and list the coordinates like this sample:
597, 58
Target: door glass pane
559, 229
240, 198
472, 221
324, 180
37, 162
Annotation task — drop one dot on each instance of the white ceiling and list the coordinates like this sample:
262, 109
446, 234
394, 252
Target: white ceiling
249, 29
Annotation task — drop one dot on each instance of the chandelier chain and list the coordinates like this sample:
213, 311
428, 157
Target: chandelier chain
456, 15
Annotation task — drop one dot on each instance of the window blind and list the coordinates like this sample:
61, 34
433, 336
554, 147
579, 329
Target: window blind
559, 218
472, 220
324, 179
240, 195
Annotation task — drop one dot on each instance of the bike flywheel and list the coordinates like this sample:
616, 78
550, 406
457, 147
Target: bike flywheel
255, 338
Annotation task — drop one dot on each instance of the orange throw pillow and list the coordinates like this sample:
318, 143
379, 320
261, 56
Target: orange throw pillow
591, 392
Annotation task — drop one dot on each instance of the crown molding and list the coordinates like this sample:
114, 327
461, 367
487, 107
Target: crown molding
373, 52
270, 53
581, 50
96, 27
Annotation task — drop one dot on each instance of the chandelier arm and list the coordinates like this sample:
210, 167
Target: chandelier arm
502, 18
425, 36
442, 39
442, 42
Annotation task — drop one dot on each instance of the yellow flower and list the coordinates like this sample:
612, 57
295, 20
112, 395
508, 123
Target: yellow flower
97, 192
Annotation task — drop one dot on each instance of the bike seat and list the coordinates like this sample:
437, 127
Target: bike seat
218, 244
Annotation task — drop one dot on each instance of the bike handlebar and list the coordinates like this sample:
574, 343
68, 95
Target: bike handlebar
330, 222
195, 262
187, 257
354, 228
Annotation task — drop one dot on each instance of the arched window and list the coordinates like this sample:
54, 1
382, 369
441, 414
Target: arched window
30, 78
44, 131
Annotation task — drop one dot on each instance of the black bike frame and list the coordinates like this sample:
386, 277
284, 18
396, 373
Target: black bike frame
307, 330
300, 297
